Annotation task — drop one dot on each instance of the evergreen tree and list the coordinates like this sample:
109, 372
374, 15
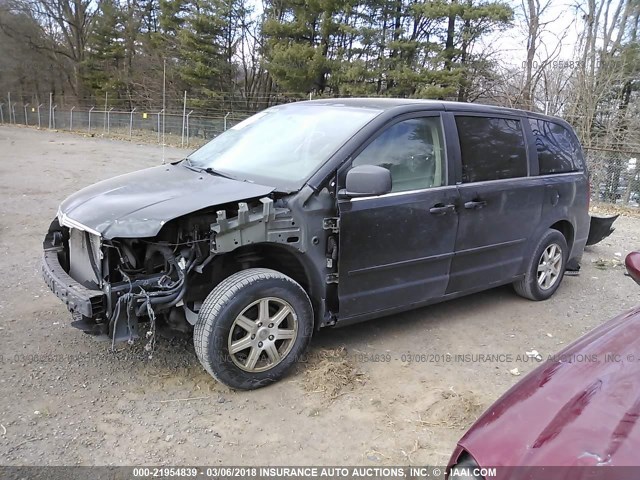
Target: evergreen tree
102, 69
382, 47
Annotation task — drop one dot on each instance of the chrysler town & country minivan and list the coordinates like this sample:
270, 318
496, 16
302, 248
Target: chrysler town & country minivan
319, 214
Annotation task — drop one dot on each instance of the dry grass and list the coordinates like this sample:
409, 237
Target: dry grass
605, 263
610, 209
330, 371
453, 410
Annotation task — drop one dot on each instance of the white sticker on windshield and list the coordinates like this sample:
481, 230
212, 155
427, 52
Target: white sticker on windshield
249, 121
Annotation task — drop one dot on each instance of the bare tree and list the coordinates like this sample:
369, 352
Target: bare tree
541, 54
602, 91
64, 27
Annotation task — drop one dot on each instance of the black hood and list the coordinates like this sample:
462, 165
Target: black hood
138, 204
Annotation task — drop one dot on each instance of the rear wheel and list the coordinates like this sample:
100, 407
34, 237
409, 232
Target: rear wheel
252, 328
546, 268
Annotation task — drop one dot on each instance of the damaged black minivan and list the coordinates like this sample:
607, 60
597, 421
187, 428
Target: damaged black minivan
321, 213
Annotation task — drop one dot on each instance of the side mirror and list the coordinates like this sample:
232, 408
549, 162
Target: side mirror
632, 262
366, 181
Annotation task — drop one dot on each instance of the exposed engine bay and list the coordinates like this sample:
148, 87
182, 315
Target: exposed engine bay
162, 280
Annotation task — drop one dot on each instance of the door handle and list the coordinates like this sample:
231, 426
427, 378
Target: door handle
440, 209
475, 204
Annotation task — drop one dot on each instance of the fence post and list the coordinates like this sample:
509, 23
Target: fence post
1, 113
184, 113
50, 109
131, 122
188, 115
39, 123
90, 110
26, 120
71, 119
13, 109
159, 113
225, 120
109, 120
106, 100
53, 115
9, 102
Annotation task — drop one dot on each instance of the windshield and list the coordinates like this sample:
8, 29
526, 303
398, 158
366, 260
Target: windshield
283, 145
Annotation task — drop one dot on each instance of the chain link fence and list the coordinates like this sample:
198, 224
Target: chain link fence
186, 128
615, 176
615, 173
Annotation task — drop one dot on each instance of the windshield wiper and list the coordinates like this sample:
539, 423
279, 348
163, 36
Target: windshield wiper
208, 170
216, 172
187, 163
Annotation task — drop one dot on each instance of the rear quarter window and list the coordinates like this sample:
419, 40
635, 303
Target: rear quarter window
492, 148
558, 149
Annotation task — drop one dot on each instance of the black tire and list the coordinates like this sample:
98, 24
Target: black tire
244, 293
528, 286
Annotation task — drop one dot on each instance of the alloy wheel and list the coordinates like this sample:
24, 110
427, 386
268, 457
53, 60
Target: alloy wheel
263, 334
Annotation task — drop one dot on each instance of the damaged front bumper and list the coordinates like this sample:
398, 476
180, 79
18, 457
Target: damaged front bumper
79, 299
88, 306
92, 309
108, 313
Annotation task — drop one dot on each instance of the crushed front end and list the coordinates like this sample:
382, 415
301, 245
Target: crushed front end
113, 285
110, 286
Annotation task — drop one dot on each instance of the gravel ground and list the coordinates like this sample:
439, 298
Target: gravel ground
68, 400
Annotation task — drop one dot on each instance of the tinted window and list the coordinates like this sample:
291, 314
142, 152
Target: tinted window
558, 149
492, 148
412, 150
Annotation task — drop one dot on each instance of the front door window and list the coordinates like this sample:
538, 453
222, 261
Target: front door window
412, 150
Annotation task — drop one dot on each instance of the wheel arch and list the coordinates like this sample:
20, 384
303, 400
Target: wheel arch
281, 258
562, 225
567, 230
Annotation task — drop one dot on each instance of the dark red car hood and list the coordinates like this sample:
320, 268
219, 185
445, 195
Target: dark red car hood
579, 408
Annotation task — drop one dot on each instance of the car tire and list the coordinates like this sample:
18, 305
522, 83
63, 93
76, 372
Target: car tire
252, 328
546, 267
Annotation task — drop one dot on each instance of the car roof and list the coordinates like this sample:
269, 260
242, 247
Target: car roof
413, 104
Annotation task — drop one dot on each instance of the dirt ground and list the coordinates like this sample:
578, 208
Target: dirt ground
68, 400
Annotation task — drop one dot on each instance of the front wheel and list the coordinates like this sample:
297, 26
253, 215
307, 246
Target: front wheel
545, 270
252, 328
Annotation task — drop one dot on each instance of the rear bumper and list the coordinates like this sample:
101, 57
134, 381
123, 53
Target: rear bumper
600, 228
78, 298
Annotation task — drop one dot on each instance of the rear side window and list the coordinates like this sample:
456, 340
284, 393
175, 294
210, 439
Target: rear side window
558, 149
492, 148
